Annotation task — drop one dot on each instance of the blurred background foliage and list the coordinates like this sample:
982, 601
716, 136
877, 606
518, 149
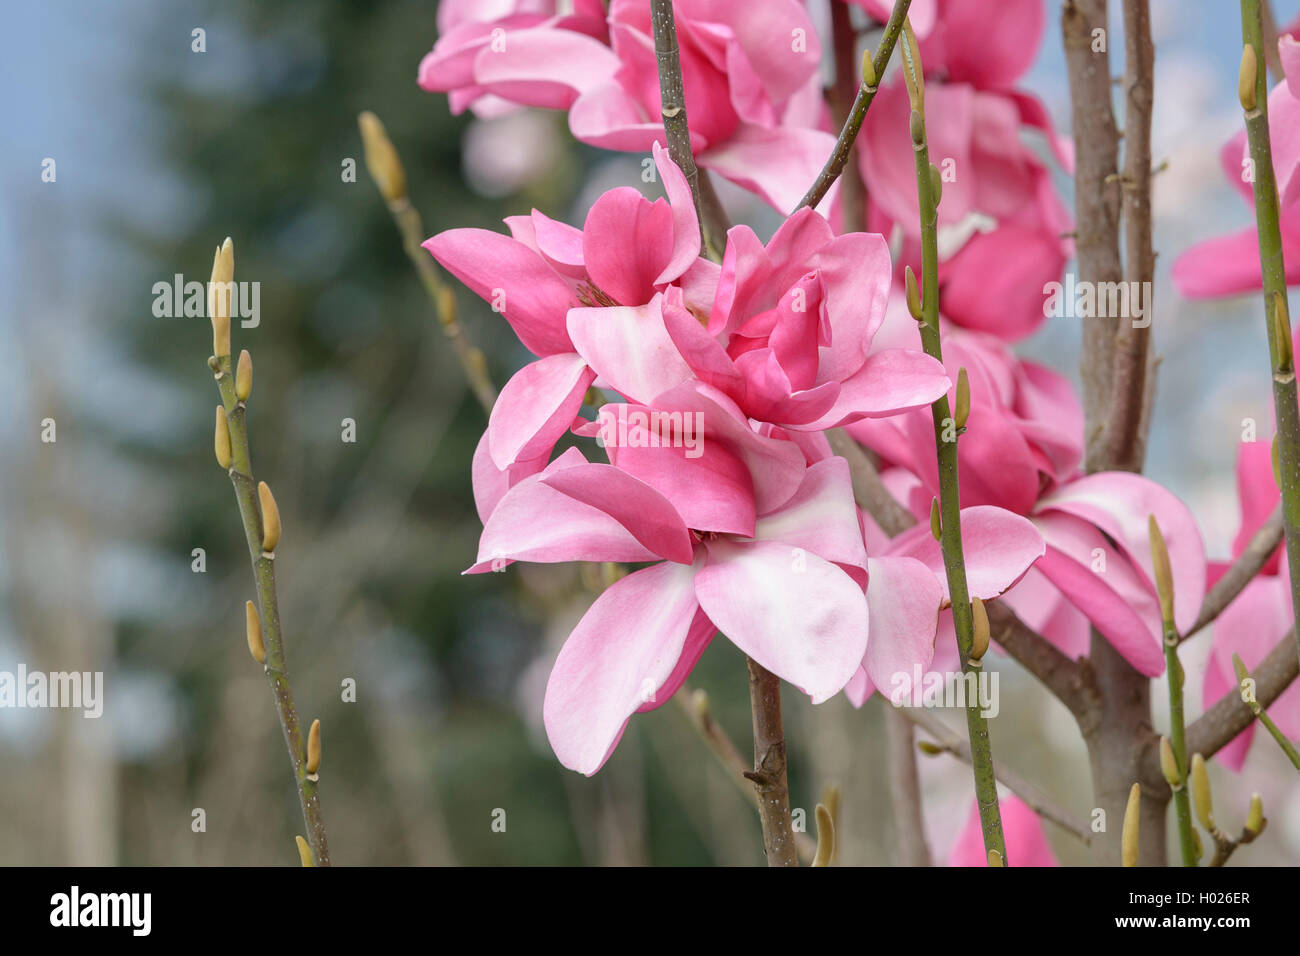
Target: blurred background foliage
162, 152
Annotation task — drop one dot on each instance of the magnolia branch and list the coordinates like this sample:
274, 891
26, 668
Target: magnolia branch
951, 742
1248, 564
672, 97
1253, 89
858, 111
1124, 429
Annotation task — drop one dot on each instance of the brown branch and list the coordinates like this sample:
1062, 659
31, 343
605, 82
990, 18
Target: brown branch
857, 113
905, 790
1123, 433
848, 86
769, 775
1096, 193
1262, 545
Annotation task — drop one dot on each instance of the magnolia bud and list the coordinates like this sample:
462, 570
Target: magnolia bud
995, 858
219, 293
1169, 765
980, 631
381, 158
936, 528
1163, 572
304, 851
936, 184
1247, 77
962, 410
1282, 332
221, 438
1128, 847
1255, 817
868, 70
916, 125
913, 294
1201, 798
253, 628
914, 76
270, 517
825, 837
244, 376
313, 747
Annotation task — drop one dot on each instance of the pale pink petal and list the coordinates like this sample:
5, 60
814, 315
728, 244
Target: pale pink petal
998, 546
543, 66
491, 483
629, 348
778, 163
903, 596
697, 642
889, 382
536, 407
799, 616
623, 650
822, 517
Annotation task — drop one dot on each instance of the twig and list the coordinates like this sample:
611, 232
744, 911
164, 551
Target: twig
986, 789
247, 493
673, 104
905, 790
1276, 313
1246, 685
1123, 433
695, 705
1256, 554
768, 775
386, 169
857, 113
1096, 193
1230, 715
951, 742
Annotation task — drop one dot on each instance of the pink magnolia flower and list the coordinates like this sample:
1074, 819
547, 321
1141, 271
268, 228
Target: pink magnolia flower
1000, 222
1261, 615
472, 34
628, 251
1229, 265
779, 566
1021, 453
1026, 842
790, 330
750, 75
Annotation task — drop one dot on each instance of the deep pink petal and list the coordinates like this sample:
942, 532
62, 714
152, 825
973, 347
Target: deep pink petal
514, 279
1120, 504
999, 547
1025, 840
822, 517
903, 597
536, 407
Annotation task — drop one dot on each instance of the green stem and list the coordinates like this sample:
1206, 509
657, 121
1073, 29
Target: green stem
1178, 740
1273, 268
858, 112
241, 476
986, 788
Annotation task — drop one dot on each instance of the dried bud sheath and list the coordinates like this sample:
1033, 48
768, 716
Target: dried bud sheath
244, 376
1129, 839
220, 290
221, 439
313, 747
382, 161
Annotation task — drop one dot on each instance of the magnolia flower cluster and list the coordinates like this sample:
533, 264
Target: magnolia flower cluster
718, 381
